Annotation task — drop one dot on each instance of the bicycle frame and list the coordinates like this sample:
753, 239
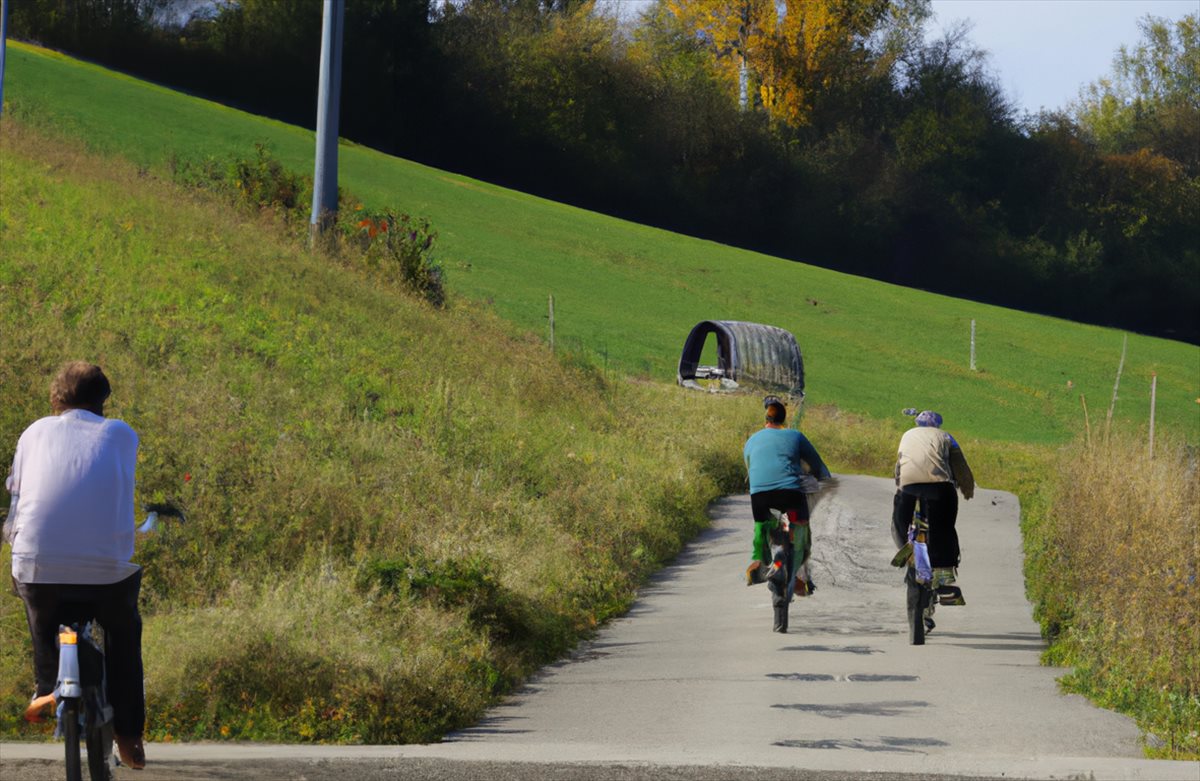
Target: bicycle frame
919, 576
927, 586
791, 547
81, 694
783, 568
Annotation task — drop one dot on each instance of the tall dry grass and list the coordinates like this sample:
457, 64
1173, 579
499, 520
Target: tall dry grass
1114, 569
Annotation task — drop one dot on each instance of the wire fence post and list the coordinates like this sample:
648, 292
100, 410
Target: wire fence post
1153, 397
972, 344
1117, 384
1087, 421
551, 316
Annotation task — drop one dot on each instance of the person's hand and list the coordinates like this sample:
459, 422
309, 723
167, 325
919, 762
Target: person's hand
968, 492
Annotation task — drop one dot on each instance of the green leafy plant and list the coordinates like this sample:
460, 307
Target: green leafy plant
263, 181
399, 244
259, 182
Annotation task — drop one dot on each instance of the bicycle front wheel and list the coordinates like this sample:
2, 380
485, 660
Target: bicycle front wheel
918, 600
70, 730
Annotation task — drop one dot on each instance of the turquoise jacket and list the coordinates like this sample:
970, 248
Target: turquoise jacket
773, 459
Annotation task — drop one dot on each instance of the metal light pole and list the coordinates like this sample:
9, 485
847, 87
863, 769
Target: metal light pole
325, 177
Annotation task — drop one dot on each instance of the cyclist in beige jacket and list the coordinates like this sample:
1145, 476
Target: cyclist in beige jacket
929, 465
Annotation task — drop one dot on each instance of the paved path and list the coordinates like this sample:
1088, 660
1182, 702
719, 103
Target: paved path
694, 675
694, 678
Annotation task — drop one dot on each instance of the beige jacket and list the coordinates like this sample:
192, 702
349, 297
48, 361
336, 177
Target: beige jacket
930, 455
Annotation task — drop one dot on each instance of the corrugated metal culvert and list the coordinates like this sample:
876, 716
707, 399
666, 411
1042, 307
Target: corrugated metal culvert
753, 354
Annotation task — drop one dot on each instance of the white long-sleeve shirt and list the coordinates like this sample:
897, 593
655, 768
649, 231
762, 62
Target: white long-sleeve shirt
73, 478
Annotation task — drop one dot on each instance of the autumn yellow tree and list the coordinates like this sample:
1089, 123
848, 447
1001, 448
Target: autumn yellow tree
791, 50
816, 43
739, 33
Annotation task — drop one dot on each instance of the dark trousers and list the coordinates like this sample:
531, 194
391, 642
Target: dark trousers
781, 499
939, 502
115, 606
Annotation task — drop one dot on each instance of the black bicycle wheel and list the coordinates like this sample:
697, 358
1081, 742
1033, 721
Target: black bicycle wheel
70, 730
918, 600
99, 750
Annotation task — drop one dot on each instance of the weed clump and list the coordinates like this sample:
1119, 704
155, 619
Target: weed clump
400, 245
256, 183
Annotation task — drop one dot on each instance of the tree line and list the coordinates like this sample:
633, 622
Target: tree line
829, 131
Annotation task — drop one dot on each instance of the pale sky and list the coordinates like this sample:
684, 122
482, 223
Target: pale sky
1043, 51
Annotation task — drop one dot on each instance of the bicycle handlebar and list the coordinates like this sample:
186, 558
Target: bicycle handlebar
155, 510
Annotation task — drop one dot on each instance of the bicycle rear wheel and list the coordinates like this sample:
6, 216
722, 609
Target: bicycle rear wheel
70, 730
782, 574
99, 750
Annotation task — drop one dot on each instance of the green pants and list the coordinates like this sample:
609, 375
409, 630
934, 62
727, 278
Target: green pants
801, 541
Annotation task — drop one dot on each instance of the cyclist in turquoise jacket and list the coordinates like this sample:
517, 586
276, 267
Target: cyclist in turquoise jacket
782, 464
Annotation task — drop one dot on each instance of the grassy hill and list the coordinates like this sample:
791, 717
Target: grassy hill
629, 294
384, 530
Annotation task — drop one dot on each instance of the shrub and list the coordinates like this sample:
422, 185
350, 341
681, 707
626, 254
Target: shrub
400, 245
260, 182
396, 244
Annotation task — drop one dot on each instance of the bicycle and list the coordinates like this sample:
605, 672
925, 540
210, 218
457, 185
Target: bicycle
918, 579
791, 538
82, 694
927, 587
81, 691
781, 577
